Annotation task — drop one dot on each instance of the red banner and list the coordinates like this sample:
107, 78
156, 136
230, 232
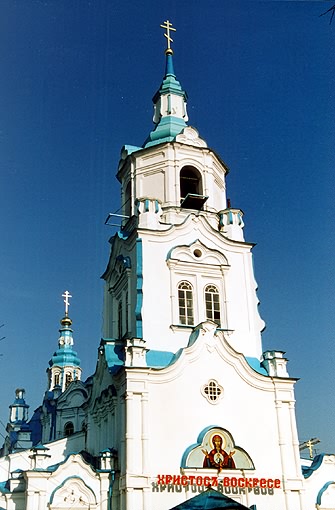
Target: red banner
213, 481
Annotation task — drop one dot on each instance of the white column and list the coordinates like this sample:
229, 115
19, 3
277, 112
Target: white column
122, 431
295, 440
145, 433
147, 499
283, 424
32, 500
130, 452
291, 478
42, 500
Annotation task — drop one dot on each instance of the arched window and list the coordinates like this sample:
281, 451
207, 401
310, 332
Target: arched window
56, 380
119, 319
127, 201
185, 303
68, 428
127, 313
212, 301
190, 181
68, 379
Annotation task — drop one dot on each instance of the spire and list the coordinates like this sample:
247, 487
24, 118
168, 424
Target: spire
170, 100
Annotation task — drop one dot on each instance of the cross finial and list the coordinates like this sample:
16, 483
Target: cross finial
309, 445
66, 297
168, 26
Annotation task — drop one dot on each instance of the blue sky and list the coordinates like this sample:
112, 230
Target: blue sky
77, 81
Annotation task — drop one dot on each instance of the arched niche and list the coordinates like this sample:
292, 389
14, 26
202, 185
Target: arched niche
216, 449
73, 493
191, 188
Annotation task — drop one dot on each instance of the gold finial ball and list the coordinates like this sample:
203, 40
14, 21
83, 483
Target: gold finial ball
66, 321
169, 51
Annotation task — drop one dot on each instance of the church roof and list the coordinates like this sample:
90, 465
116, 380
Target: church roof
65, 356
210, 500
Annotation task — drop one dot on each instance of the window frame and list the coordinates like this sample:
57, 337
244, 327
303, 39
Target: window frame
183, 263
212, 310
66, 427
68, 379
188, 295
56, 379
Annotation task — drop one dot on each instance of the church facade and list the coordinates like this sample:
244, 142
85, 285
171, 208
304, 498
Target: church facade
184, 404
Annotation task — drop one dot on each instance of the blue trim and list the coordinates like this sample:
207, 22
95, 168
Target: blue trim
193, 337
169, 65
65, 356
40, 447
130, 149
307, 471
19, 402
321, 491
139, 288
4, 487
159, 359
177, 355
207, 429
255, 364
114, 355
165, 131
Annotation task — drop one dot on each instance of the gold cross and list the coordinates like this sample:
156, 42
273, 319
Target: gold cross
168, 26
309, 445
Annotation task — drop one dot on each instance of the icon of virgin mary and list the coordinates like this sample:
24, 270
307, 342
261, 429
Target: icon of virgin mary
218, 458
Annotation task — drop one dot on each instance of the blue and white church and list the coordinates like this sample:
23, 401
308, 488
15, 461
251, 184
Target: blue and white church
184, 410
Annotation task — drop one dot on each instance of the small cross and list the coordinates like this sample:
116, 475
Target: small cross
168, 26
309, 445
66, 297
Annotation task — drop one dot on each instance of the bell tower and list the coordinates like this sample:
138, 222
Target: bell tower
180, 257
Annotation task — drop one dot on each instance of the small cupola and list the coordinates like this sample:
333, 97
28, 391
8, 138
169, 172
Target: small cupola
64, 364
19, 408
